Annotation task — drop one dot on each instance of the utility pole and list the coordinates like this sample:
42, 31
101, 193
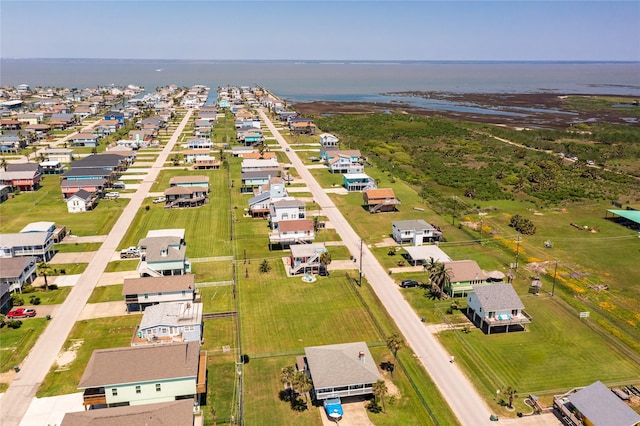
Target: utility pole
555, 273
453, 215
517, 251
360, 282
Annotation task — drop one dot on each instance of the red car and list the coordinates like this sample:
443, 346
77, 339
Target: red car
22, 313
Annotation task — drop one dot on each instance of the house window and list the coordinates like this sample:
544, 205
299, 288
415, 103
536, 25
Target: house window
189, 328
492, 314
138, 390
158, 387
164, 330
146, 296
114, 392
514, 312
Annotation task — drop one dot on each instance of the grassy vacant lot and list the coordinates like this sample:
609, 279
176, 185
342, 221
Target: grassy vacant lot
560, 351
212, 271
15, 344
107, 293
30, 206
49, 297
207, 227
89, 335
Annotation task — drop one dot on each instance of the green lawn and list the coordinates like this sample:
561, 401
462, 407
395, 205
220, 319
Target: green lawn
15, 344
217, 299
212, 271
122, 265
49, 297
30, 206
95, 334
107, 293
558, 352
77, 247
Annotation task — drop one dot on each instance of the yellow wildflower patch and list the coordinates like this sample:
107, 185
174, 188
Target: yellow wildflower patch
607, 306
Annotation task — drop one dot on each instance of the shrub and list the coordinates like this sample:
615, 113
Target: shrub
14, 324
53, 286
17, 300
34, 300
28, 289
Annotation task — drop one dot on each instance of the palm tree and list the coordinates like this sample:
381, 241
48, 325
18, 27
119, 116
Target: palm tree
379, 389
325, 259
287, 374
439, 275
3, 164
43, 268
265, 267
512, 394
302, 384
394, 344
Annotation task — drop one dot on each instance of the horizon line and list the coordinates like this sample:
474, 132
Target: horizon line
325, 60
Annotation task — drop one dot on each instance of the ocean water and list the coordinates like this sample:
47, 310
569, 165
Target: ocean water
336, 81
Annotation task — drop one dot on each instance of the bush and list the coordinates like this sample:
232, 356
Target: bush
53, 286
28, 289
17, 300
14, 324
34, 300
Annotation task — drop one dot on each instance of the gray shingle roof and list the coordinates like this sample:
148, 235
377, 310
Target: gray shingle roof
340, 365
140, 364
12, 267
172, 315
160, 414
497, 297
598, 404
168, 283
411, 225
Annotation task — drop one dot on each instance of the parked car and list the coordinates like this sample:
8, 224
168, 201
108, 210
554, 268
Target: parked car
111, 195
22, 313
287, 149
129, 253
159, 200
118, 185
409, 283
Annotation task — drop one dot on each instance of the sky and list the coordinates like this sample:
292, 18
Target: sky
322, 30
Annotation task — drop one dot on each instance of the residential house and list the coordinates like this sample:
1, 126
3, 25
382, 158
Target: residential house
256, 179
266, 155
106, 127
306, 127
52, 167
40, 130
92, 185
10, 124
596, 405
191, 180
127, 153
16, 272
84, 139
358, 182
305, 258
186, 196
115, 115
202, 128
24, 180
328, 140
250, 136
414, 232
163, 252
139, 293
59, 232
251, 165
10, 142
90, 173
239, 151
496, 305
107, 161
342, 370
179, 412
380, 200
464, 275
169, 323
283, 209
347, 161
37, 244
5, 298
260, 205
199, 144
190, 155
62, 155
144, 375
206, 163
81, 201
293, 232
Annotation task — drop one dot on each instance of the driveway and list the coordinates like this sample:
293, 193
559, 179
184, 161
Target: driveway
74, 257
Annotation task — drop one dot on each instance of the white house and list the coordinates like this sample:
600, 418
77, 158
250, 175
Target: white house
496, 305
328, 140
346, 162
287, 209
163, 252
414, 232
37, 244
293, 232
17, 271
81, 201
170, 322
251, 164
305, 257
144, 375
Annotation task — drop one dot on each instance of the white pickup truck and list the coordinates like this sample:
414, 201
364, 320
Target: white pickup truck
129, 253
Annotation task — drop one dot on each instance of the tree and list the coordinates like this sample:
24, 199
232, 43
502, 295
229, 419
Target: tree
43, 268
287, 374
439, 275
265, 267
512, 394
394, 344
379, 389
316, 223
325, 259
3, 164
302, 384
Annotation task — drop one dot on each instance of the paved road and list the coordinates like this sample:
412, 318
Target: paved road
452, 383
16, 400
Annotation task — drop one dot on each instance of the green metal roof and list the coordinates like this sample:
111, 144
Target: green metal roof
632, 215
